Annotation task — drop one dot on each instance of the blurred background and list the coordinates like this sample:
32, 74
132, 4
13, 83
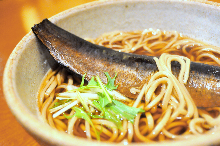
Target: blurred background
18, 16
16, 19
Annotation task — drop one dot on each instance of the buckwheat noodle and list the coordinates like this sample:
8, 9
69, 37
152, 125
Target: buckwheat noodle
155, 42
170, 112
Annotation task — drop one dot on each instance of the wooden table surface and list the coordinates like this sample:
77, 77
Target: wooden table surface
16, 19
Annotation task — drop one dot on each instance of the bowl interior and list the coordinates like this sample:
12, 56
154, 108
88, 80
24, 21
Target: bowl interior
29, 61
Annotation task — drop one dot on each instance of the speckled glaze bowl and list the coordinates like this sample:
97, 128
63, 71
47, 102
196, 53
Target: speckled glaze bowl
28, 63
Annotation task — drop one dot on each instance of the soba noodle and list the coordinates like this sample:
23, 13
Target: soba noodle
169, 110
155, 42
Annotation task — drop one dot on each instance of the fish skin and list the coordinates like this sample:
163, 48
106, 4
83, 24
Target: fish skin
133, 70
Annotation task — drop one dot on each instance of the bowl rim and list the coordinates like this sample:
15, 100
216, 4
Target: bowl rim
55, 137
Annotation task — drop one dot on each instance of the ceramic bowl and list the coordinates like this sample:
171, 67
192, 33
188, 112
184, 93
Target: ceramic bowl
28, 64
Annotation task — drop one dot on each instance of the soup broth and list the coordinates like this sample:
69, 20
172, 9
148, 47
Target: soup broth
164, 108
